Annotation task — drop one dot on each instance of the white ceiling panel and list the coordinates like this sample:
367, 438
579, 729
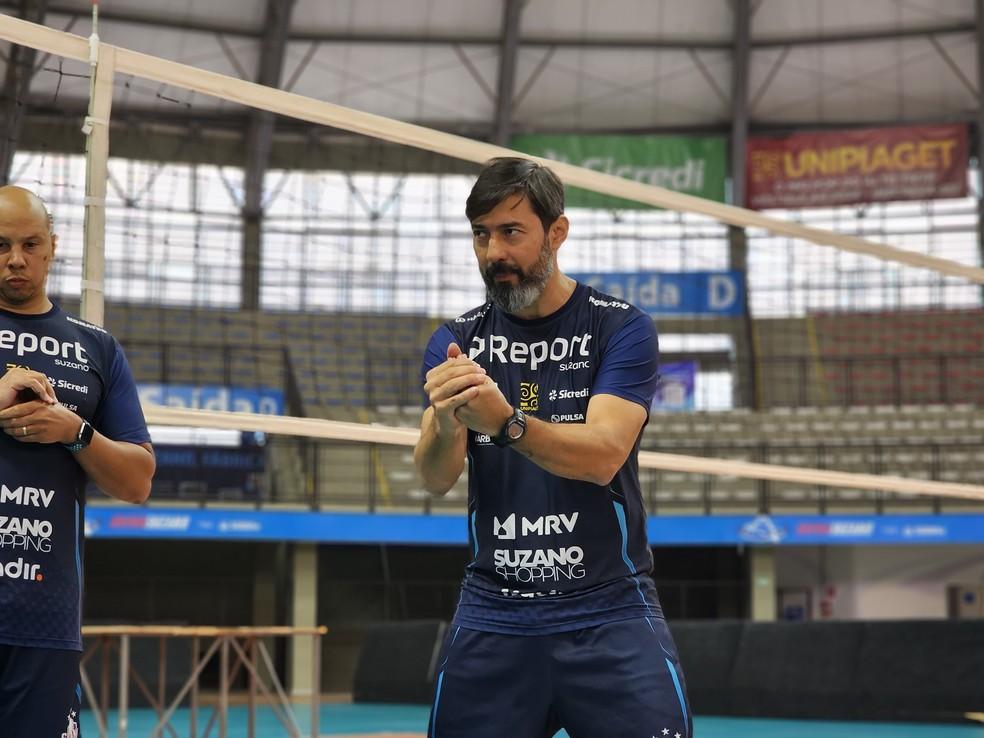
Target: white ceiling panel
874, 81
777, 18
406, 82
599, 89
700, 19
243, 14
202, 50
420, 17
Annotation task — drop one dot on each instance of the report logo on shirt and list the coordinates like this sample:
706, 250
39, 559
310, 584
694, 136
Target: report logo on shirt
529, 397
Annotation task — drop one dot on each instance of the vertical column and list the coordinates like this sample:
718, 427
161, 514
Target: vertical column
979, 10
737, 239
762, 582
265, 595
508, 50
259, 142
304, 614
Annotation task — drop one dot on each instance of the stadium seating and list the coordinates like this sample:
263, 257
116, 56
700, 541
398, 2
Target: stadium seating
365, 369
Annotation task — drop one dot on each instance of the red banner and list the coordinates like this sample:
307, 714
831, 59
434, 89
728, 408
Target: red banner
807, 170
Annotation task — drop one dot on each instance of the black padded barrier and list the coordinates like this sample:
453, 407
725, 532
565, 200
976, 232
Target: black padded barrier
396, 663
840, 670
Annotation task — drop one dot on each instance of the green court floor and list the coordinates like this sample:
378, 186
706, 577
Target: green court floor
344, 719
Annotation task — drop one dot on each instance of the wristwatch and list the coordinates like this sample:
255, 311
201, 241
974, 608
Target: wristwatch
82, 440
512, 430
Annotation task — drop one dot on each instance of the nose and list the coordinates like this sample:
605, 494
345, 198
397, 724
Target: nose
15, 257
496, 251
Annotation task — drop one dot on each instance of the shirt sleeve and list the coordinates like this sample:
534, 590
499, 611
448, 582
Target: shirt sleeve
119, 416
630, 366
435, 353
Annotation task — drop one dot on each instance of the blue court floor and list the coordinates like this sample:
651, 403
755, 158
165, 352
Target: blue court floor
345, 719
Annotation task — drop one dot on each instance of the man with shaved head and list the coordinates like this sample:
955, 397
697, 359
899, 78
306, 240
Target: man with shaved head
69, 414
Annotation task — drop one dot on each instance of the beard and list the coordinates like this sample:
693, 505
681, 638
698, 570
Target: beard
514, 298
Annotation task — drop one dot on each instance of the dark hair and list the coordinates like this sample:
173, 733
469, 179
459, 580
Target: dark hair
507, 176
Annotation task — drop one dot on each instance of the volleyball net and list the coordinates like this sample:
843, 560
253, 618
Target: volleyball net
292, 311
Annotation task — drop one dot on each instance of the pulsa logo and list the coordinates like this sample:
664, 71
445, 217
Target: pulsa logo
567, 418
20, 569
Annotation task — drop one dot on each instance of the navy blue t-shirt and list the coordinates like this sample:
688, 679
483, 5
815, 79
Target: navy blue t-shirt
554, 554
42, 486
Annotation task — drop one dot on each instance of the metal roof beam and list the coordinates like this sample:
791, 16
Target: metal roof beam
259, 140
512, 12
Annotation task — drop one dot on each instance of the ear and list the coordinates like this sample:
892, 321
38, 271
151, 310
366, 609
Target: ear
54, 245
558, 231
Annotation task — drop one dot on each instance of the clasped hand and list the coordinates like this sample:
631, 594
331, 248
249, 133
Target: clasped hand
38, 421
461, 393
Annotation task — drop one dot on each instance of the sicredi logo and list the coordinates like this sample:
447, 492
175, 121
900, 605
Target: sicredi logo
567, 394
504, 351
24, 344
20, 569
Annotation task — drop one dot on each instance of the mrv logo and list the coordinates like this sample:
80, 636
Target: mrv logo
542, 526
503, 350
30, 496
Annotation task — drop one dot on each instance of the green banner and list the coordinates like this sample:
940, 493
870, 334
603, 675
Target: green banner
687, 164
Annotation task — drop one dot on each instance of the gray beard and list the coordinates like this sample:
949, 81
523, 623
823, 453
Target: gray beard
516, 298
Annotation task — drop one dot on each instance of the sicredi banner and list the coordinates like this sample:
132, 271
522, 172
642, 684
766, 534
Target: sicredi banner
865, 165
690, 164
673, 293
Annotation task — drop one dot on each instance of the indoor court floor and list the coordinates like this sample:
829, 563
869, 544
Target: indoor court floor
410, 721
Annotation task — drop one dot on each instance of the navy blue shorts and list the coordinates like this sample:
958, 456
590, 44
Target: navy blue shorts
610, 681
40, 694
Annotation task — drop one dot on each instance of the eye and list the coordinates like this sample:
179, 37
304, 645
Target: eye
479, 233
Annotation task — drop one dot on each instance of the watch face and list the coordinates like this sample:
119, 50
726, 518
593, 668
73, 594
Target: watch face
515, 431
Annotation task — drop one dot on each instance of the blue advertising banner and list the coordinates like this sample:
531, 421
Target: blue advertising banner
336, 527
673, 293
676, 386
213, 397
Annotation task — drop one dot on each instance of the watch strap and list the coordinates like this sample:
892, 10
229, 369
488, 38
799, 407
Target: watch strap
82, 439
